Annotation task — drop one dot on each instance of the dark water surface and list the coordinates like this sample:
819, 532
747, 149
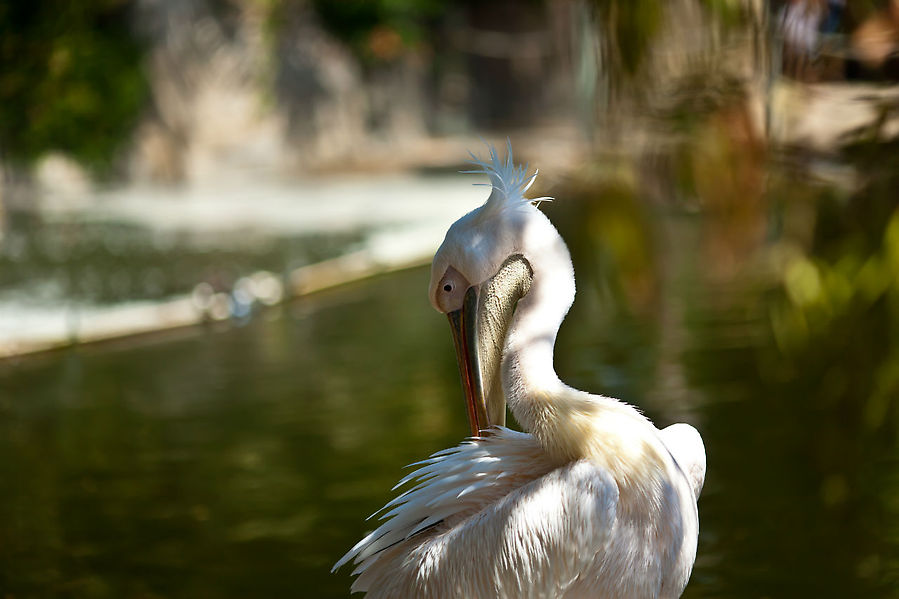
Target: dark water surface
222, 463
241, 461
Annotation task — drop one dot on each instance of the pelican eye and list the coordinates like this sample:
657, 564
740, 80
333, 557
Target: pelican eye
450, 290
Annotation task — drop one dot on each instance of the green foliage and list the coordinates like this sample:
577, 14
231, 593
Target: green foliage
70, 79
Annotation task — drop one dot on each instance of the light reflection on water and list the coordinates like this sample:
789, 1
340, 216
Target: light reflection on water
54, 262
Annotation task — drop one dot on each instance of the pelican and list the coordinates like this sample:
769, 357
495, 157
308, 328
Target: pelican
591, 501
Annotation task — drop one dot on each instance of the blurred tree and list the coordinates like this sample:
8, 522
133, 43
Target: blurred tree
378, 30
70, 79
629, 28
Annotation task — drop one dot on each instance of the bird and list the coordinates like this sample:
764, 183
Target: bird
590, 499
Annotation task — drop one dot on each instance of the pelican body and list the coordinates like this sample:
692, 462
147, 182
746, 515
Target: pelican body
591, 501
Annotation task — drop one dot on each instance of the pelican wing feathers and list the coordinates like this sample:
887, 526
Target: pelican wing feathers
492, 517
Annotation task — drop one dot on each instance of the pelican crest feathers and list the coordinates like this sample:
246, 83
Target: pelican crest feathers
509, 181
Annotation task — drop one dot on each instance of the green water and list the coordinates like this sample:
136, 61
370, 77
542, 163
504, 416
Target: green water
233, 462
240, 461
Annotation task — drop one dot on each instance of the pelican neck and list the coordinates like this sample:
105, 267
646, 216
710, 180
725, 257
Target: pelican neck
527, 364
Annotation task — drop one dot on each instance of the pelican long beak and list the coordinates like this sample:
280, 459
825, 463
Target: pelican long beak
479, 331
464, 325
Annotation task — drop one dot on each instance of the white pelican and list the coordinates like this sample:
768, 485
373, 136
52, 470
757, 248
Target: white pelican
593, 501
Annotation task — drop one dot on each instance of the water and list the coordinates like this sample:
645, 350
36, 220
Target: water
56, 261
234, 462
241, 460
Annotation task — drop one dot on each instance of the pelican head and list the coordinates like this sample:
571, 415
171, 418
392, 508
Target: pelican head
484, 266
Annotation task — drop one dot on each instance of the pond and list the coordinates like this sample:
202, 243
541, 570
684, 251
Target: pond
240, 459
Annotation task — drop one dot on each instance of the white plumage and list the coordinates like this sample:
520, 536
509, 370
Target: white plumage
593, 501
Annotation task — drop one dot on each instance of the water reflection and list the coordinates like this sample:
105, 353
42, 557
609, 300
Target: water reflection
226, 464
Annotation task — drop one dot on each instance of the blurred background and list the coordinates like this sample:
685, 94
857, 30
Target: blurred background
216, 350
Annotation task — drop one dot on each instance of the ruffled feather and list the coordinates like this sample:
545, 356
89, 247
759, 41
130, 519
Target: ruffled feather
509, 180
450, 485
